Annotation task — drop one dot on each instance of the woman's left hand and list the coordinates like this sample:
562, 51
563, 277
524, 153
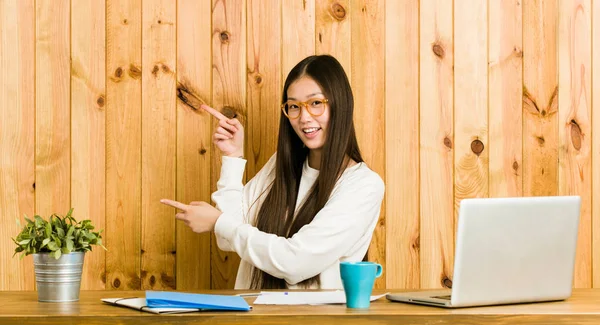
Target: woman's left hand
199, 216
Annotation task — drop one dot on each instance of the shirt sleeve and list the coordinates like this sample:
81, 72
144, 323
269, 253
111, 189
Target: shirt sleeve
232, 197
345, 218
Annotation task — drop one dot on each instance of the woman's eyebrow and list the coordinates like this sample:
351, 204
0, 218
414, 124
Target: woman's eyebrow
309, 96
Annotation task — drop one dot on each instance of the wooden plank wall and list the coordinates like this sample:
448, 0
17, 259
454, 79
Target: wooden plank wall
99, 110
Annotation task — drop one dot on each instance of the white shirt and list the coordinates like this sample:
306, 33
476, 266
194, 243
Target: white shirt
341, 231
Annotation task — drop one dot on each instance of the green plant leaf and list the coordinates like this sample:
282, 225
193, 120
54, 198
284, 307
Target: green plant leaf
70, 231
60, 232
45, 242
39, 222
48, 229
24, 242
57, 240
70, 245
52, 246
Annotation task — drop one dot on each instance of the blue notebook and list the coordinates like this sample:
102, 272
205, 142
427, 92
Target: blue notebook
171, 299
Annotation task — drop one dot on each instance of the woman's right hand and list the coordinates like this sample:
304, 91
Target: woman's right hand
229, 136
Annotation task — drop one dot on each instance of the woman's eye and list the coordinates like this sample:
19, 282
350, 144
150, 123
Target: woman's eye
294, 106
316, 102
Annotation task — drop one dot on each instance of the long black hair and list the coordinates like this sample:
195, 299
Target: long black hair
276, 214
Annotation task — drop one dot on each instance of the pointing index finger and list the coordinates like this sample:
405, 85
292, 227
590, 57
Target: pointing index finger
174, 204
214, 112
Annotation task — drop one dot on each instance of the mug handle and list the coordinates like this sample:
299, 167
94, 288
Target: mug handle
379, 270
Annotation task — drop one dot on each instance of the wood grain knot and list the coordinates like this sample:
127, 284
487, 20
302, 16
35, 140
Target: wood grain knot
119, 72
258, 79
541, 141
543, 112
447, 282
338, 11
155, 70
116, 283
135, 283
173, 252
125, 21
320, 38
135, 72
364, 9
159, 21
188, 97
224, 36
34, 186
518, 52
229, 112
529, 103
202, 151
515, 165
448, 142
477, 147
165, 69
438, 50
152, 280
167, 281
576, 135
142, 252
416, 245
100, 101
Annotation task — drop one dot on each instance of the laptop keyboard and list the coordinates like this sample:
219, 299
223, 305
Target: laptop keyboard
447, 297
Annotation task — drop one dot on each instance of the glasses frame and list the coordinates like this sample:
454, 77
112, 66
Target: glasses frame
304, 104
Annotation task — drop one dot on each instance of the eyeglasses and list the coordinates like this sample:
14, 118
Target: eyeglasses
314, 107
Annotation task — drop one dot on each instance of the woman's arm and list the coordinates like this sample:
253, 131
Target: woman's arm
334, 230
233, 198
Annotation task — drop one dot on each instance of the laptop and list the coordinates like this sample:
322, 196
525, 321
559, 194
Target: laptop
508, 251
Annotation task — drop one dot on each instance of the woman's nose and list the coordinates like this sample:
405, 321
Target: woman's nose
304, 114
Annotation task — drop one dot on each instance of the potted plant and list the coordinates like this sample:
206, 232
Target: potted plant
58, 246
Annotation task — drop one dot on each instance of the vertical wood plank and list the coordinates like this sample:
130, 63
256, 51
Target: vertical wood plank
505, 103
123, 143
159, 20
436, 159
52, 118
540, 98
193, 137
88, 115
229, 96
17, 108
298, 33
368, 81
402, 144
471, 156
264, 82
574, 109
595, 144
333, 30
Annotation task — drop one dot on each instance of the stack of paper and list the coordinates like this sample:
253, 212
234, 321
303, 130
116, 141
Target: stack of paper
304, 298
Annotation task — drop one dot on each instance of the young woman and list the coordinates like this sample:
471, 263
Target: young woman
314, 204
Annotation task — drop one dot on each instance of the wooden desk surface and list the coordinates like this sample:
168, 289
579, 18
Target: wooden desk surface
23, 308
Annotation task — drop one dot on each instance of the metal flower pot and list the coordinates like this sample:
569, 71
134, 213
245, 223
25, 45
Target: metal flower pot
58, 280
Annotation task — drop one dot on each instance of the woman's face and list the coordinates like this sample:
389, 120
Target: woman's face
306, 97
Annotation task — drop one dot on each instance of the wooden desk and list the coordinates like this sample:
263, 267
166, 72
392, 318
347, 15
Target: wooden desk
23, 308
